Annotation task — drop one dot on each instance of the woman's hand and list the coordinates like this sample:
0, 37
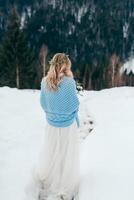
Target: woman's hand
65, 71
69, 73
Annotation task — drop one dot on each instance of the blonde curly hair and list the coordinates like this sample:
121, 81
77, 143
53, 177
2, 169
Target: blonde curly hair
60, 65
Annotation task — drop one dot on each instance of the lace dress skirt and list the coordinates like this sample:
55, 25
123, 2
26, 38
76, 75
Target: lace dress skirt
58, 167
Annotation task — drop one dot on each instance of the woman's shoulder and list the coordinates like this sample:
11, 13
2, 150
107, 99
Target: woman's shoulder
68, 80
64, 77
71, 77
69, 83
43, 80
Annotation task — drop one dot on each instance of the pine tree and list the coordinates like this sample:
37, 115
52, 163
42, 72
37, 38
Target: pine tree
16, 57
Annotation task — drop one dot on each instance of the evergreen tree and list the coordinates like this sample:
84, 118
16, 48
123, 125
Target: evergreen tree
16, 58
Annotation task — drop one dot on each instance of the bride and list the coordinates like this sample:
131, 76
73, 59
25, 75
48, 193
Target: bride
58, 165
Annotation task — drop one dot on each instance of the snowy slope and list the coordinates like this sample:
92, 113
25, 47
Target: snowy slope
107, 153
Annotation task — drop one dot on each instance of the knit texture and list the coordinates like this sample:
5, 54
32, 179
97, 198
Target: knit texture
61, 107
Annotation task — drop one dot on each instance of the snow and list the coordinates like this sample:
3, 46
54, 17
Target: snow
128, 67
107, 153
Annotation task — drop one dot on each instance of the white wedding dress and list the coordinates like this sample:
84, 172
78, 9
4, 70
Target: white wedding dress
57, 170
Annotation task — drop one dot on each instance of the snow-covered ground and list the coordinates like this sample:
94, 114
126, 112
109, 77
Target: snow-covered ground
107, 153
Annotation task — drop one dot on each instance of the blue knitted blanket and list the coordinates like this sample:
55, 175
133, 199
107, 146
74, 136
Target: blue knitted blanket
61, 107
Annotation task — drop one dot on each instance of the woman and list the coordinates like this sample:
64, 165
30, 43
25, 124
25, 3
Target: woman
58, 167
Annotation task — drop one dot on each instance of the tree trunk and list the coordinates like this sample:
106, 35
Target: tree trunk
17, 77
42, 58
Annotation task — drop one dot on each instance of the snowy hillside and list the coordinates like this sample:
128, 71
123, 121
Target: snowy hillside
107, 153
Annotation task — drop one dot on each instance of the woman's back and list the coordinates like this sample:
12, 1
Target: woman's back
61, 106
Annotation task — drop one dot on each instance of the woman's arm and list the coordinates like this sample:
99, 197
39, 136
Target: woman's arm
69, 73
